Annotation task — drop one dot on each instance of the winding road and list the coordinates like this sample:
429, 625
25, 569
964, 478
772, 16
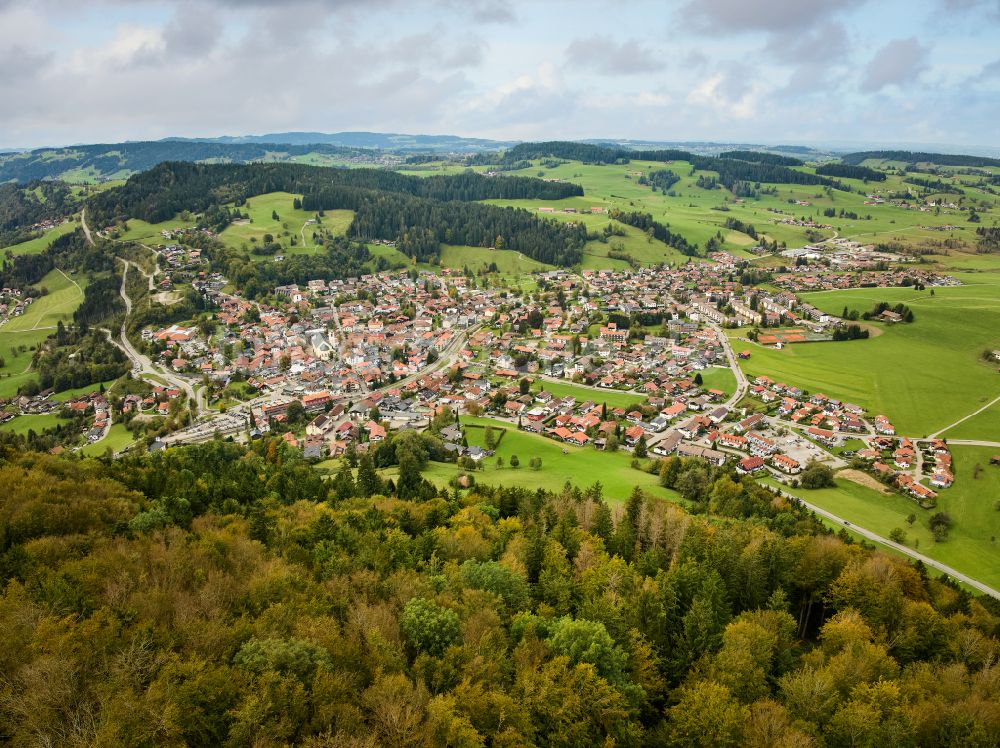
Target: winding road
142, 364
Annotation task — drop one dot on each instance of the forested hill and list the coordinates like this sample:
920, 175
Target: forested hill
22, 206
916, 157
220, 595
121, 159
731, 170
418, 213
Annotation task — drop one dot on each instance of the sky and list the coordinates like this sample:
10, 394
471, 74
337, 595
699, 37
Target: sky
744, 71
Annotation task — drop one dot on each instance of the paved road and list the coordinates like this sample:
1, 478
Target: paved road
86, 229
742, 385
444, 358
926, 560
141, 363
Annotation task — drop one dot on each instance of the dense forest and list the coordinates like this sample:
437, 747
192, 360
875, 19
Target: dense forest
218, 595
169, 188
762, 157
915, 157
417, 213
848, 171
72, 359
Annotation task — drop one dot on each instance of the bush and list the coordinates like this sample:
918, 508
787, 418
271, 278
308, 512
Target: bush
816, 475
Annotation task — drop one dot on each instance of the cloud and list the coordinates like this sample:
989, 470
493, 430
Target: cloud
534, 98
898, 63
728, 93
604, 55
819, 45
194, 31
989, 72
762, 15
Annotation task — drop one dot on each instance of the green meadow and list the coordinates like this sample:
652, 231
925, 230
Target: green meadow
613, 398
290, 223
118, 438
36, 324
36, 422
924, 376
971, 545
699, 214
719, 378
507, 261
39, 244
561, 463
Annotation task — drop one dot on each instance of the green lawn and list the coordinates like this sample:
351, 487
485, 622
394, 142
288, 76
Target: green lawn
290, 223
32, 327
613, 398
479, 258
923, 376
982, 427
117, 439
970, 547
32, 422
719, 378
581, 466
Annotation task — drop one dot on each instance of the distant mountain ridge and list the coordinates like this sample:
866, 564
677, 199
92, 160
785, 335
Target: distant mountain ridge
370, 140
104, 161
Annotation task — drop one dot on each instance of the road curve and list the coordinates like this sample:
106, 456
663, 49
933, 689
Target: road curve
868, 534
141, 362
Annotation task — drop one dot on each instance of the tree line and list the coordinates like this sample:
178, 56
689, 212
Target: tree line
849, 171
731, 171
763, 157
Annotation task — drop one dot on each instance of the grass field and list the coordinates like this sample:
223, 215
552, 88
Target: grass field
140, 231
508, 261
924, 376
32, 422
719, 378
290, 223
581, 466
970, 547
117, 439
36, 324
39, 245
699, 214
982, 427
613, 398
